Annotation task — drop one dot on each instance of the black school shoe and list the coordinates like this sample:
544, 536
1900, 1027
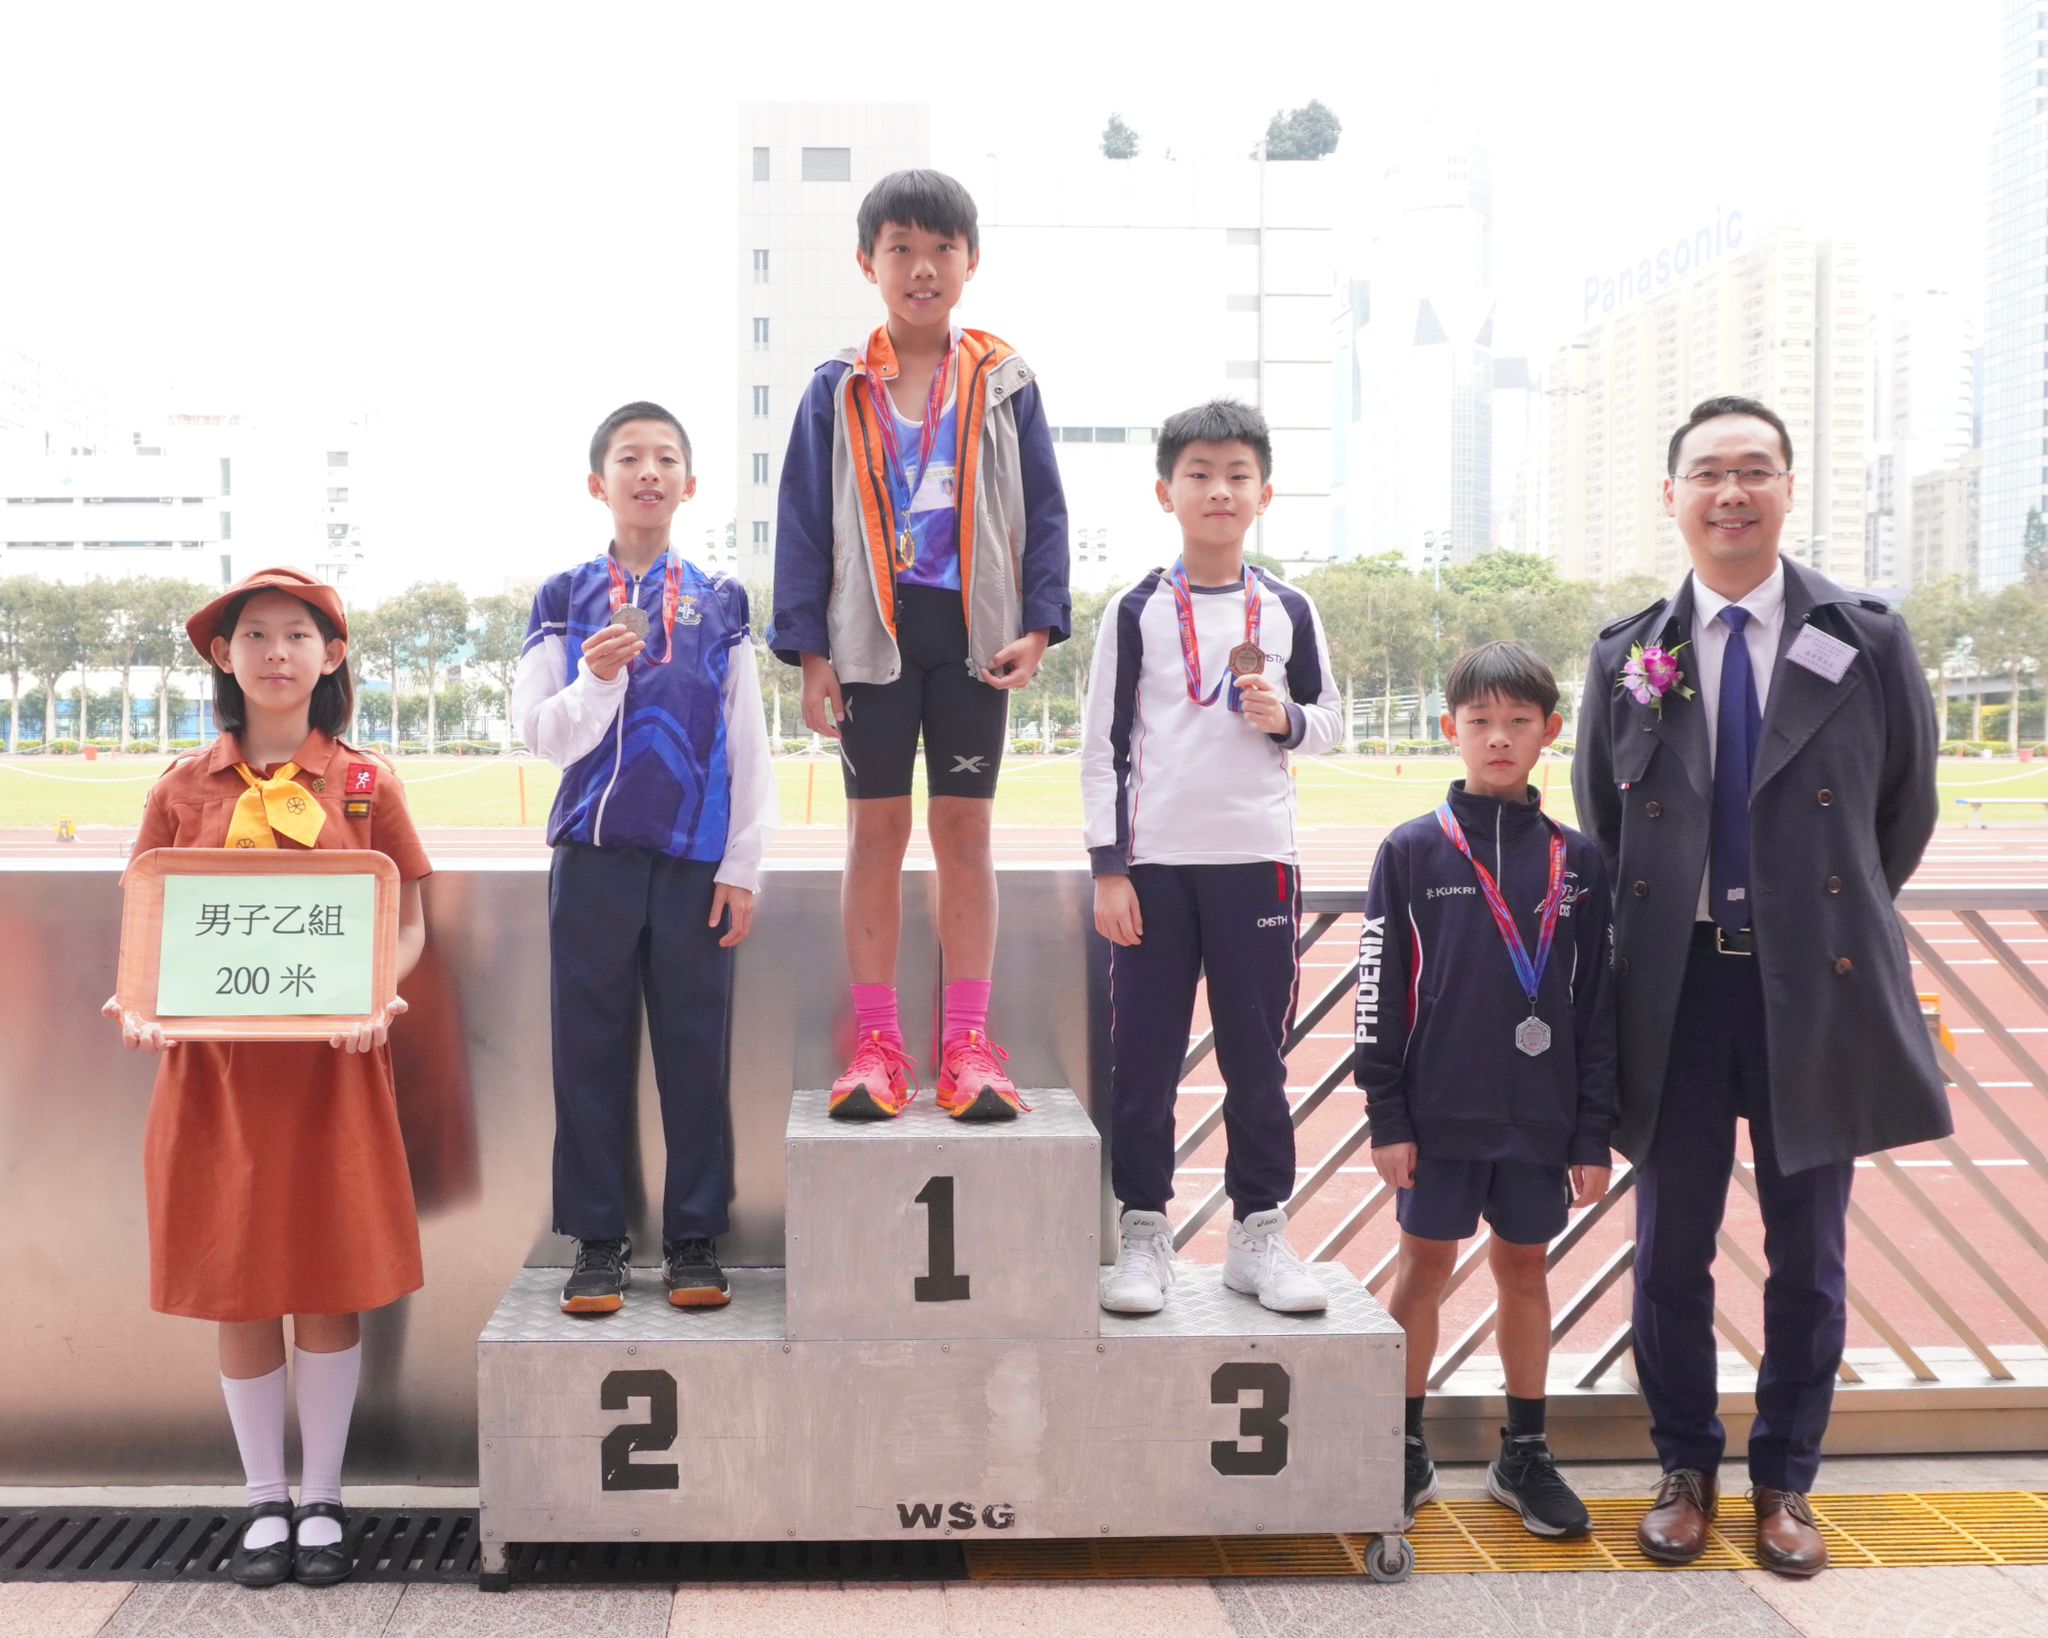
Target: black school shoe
597, 1284
694, 1278
322, 1566
1524, 1476
266, 1566
1418, 1479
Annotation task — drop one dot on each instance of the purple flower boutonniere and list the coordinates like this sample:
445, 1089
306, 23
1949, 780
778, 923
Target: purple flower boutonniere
1650, 673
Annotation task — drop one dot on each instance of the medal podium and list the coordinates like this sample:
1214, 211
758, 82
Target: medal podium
934, 1363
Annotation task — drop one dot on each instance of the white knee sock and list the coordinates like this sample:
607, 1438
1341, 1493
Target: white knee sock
327, 1398
256, 1412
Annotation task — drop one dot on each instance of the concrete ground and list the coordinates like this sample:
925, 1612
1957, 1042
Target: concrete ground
1916, 1602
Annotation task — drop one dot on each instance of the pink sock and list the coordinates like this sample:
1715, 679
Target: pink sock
966, 1008
874, 1012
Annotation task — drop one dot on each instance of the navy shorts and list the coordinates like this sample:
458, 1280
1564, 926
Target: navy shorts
1524, 1204
962, 720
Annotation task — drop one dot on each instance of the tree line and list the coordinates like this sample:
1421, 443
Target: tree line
433, 663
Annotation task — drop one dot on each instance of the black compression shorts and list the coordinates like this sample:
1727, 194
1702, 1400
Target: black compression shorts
962, 719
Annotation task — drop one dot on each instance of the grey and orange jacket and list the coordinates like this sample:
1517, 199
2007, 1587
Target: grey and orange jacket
835, 583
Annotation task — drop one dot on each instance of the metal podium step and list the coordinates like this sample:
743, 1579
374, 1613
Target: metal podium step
928, 1227
662, 1424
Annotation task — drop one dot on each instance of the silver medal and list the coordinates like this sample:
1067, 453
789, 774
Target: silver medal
633, 618
1532, 1035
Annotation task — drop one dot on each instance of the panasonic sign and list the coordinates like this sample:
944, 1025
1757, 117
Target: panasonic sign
1663, 267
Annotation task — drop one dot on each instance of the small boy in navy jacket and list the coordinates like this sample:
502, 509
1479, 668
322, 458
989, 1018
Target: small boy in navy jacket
1486, 1048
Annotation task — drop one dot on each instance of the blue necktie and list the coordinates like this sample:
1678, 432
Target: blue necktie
1737, 729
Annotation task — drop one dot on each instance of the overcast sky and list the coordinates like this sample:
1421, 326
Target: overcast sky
490, 223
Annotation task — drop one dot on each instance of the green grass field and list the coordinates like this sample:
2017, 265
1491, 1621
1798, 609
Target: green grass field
484, 792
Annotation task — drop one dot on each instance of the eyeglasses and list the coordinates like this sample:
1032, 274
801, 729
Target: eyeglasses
1750, 477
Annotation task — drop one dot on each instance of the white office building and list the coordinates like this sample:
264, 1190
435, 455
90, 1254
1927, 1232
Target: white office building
804, 169
1133, 288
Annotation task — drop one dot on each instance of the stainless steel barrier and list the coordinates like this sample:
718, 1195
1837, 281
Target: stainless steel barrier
97, 1389
1952, 1389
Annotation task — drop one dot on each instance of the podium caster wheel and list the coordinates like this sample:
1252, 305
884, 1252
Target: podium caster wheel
1390, 1559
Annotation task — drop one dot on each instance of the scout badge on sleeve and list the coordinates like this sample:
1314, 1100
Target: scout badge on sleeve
361, 781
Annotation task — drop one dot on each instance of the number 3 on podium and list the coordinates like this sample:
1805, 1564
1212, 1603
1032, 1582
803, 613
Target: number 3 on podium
1266, 1421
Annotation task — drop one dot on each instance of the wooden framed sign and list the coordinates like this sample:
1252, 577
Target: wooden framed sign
258, 944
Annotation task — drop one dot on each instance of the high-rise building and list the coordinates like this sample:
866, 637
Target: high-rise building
2015, 431
45, 410
804, 169
1921, 397
1780, 318
1418, 437
1945, 522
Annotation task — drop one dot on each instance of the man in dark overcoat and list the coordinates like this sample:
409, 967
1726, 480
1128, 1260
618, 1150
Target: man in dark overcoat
1756, 758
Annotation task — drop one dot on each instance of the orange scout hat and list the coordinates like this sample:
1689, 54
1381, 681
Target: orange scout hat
204, 626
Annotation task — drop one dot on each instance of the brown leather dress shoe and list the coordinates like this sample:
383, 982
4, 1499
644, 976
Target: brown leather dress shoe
1787, 1538
1674, 1531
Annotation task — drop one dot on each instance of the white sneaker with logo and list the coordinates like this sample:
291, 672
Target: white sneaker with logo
1260, 1263
1144, 1265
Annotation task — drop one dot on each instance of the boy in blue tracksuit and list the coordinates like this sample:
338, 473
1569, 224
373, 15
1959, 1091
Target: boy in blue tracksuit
1486, 1049
638, 681
920, 574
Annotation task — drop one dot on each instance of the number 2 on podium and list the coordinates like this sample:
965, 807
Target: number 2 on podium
942, 1283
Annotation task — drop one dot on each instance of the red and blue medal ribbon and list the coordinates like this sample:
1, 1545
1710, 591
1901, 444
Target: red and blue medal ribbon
903, 487
671, 600
1528, 970
1190, 642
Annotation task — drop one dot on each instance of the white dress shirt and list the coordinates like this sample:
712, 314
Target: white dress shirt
1766, 605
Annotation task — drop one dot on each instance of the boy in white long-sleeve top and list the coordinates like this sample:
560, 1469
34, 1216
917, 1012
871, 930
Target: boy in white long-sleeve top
638, 681
1206, 677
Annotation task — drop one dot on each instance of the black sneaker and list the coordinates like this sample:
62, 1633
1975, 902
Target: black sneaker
597, 1284
1418, 1480
694, 1278
1525, 1477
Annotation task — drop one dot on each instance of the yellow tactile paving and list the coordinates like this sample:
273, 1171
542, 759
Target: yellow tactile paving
1477, 1537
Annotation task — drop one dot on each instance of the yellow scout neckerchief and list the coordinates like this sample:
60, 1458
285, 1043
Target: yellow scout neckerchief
268, 806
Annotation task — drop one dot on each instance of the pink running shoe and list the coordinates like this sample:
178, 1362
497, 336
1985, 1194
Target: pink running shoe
972, 1085
878, 1085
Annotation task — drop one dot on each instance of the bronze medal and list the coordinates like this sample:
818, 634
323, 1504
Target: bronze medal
633, 618
1247, 660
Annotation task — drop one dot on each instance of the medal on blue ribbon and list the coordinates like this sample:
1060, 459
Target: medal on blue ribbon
1532, 1035
903, 487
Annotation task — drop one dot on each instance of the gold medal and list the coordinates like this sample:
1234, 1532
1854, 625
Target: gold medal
906, 549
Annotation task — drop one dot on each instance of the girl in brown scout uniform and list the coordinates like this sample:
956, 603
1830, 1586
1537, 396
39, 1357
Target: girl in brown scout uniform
275, 1174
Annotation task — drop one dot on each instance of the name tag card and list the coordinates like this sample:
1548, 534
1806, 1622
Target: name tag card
234, 944
1821, 654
